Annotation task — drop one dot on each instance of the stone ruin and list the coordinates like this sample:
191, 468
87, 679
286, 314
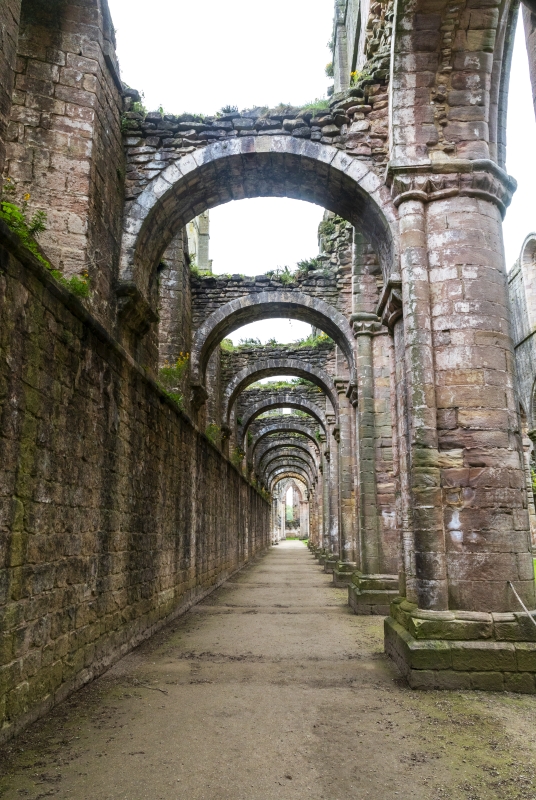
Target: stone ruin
143, 463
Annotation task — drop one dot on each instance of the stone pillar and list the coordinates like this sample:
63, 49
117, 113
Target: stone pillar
334, 508
347, 534
304, 519
527, 452
366, 444
470, 543
426, 580
326, 496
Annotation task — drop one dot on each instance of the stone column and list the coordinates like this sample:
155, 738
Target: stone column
334, 508
467, 496
304, 519
347, 530
326, 496
364, 329
426, 579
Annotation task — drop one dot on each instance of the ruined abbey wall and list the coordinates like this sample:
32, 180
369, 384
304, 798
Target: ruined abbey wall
116, 513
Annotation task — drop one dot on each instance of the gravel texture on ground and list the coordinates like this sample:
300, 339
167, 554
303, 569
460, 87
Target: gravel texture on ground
272, 688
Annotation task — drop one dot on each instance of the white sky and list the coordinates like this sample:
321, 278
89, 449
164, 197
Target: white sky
199, 56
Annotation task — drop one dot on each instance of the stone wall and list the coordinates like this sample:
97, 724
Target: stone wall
321, 355
116, 513
211, 292
65, 145
9, 24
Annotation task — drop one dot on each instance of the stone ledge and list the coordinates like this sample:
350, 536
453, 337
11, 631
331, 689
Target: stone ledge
342, 574
372, 594
463, 625
442, 664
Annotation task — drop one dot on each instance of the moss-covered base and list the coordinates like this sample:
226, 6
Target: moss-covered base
372, 594
342, 573
462, 650
330, 563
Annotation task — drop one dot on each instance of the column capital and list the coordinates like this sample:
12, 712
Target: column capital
341, 385
365, 324
390, 307
481, 178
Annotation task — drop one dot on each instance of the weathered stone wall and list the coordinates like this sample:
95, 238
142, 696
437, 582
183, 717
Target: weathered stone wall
65, 145
174, 330
321, 355
211, 292
116, 513
9, 27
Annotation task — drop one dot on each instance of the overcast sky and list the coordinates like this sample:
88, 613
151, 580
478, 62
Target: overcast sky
199, 56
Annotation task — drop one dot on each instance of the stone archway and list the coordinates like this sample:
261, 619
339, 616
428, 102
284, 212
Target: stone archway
267, 305
284, 427
270, 367
286, 445
261, 166
283, 401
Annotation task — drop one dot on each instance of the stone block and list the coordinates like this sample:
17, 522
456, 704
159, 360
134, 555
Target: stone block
525, 656
487, 681
483, 656
431, 679
522, 682
452, 630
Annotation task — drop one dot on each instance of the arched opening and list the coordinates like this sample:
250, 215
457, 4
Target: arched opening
252, 167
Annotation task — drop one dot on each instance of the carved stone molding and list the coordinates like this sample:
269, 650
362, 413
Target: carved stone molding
481, 178
390, 307
365, 324
341, 385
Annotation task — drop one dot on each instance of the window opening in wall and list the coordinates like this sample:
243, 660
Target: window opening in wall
520, 217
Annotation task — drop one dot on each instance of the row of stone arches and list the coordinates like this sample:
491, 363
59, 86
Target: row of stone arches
405, 438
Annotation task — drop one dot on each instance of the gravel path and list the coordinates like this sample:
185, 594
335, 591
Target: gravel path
271, 688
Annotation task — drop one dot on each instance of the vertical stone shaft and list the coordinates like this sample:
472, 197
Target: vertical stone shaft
426, 577
325, 499
368, 512
485, 501
334, 508
400, 418
347, 533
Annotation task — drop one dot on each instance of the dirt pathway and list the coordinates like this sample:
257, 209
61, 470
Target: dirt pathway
271, 688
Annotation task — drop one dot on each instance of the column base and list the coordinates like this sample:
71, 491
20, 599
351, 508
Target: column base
342, 574
462, 649
330, 563
372, 594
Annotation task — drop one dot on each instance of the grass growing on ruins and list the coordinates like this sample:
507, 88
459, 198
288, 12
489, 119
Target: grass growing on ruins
213, 433
170, 378
28, 230
237, 456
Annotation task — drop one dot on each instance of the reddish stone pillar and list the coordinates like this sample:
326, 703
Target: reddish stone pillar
468, 560
348, 527
426, 579
485, 502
